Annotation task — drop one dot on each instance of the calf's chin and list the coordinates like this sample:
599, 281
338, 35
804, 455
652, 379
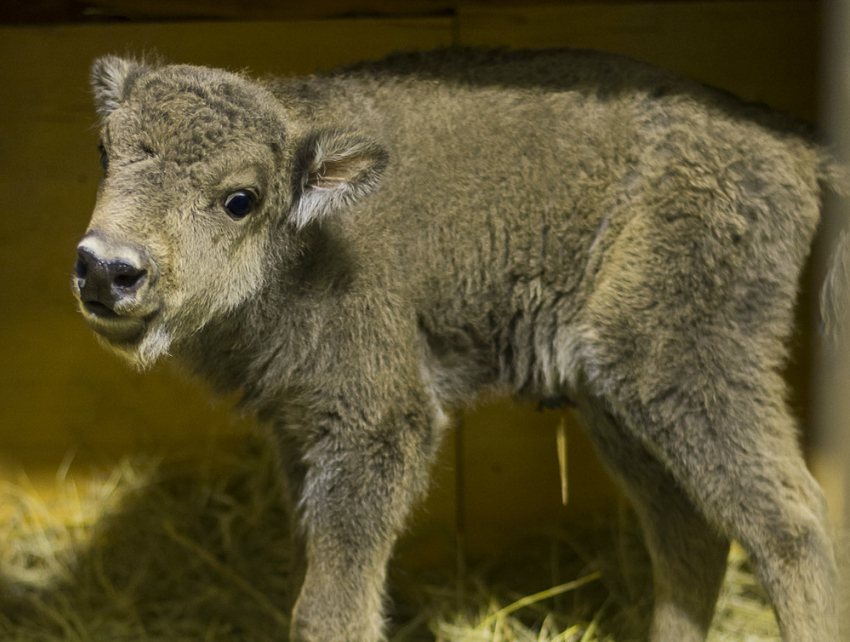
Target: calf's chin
142, 353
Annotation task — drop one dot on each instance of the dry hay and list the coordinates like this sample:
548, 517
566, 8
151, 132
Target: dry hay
200, 551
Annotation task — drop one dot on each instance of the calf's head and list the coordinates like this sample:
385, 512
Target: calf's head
208, 179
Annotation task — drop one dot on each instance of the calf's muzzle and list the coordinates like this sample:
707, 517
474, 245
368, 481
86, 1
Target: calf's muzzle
109, 275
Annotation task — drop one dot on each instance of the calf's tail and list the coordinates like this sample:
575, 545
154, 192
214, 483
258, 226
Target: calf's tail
835, 291
834, 295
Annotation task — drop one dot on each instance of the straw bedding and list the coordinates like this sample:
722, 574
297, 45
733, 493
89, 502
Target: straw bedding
171, 551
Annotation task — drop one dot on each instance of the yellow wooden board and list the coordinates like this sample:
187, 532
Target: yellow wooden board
59, 391
71, 11
767, 52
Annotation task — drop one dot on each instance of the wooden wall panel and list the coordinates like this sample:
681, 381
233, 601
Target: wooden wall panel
91, 11
60, 391
767, 52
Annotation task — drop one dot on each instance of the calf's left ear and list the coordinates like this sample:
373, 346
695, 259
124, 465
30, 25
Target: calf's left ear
334, 170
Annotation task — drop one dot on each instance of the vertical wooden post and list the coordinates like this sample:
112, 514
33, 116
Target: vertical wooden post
460, 513
831, 380
831, 395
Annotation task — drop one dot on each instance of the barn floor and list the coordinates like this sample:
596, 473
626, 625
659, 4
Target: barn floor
169, 552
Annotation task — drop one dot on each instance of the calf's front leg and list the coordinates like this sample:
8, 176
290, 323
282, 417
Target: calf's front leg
360, 481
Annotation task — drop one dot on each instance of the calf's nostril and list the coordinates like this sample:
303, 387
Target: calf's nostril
86, 262
128, 277
81, 269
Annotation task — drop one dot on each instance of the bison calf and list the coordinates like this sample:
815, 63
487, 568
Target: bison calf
353, 252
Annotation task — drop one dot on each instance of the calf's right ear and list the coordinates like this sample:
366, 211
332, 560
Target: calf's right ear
111, 80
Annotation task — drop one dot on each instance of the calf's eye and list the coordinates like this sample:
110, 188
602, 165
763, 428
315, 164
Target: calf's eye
104, 160
239, 204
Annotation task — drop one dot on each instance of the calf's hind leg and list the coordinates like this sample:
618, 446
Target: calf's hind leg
688, 556
732, 450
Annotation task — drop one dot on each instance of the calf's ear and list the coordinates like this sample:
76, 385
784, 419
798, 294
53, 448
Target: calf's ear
111, 80
334, 170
